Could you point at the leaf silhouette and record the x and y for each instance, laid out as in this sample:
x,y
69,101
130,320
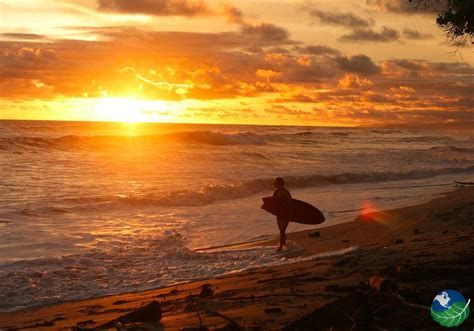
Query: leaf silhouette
x,y
454,316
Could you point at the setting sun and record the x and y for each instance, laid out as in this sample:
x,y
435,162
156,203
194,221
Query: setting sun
x,y
121,109
130,110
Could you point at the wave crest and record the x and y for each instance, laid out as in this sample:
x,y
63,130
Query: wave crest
x,y
71,142
218,192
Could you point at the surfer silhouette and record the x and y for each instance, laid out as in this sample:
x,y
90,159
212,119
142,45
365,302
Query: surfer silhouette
x,y
284,216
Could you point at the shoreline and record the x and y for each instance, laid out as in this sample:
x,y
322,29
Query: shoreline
x,y
408,237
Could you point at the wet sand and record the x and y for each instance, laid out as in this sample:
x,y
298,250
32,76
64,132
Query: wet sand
x,y
414,252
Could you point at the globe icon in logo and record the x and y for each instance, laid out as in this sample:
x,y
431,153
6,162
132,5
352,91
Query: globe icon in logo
x,y
450,308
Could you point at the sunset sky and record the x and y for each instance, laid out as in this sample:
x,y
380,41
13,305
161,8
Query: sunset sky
x,y
322,62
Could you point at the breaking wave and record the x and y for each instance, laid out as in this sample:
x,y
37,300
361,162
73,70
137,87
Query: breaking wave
x,y
218,192
102,142
217,138
452,153
143,263
71,142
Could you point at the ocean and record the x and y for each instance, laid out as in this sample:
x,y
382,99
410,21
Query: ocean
x,y
90,209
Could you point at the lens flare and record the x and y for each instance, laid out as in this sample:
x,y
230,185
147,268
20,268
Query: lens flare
x,y
370,213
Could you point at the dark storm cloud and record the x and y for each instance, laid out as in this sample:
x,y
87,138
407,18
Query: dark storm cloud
x,y
266,32
370,35
186,8
27,58
348,20
28,72
320,70
317,50
248,37
406,6
424,68
458,68
317,72
233,14
361,64
391,5
299,98
306,69
410,64
416,35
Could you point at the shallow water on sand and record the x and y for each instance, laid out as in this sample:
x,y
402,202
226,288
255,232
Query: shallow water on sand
x,y
89,209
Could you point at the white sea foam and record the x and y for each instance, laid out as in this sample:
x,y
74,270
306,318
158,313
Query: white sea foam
x,y
146,263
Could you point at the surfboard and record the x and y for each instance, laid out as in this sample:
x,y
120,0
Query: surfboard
x,y
302,212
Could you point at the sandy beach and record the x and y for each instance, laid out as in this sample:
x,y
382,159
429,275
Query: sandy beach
x,y
397,261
